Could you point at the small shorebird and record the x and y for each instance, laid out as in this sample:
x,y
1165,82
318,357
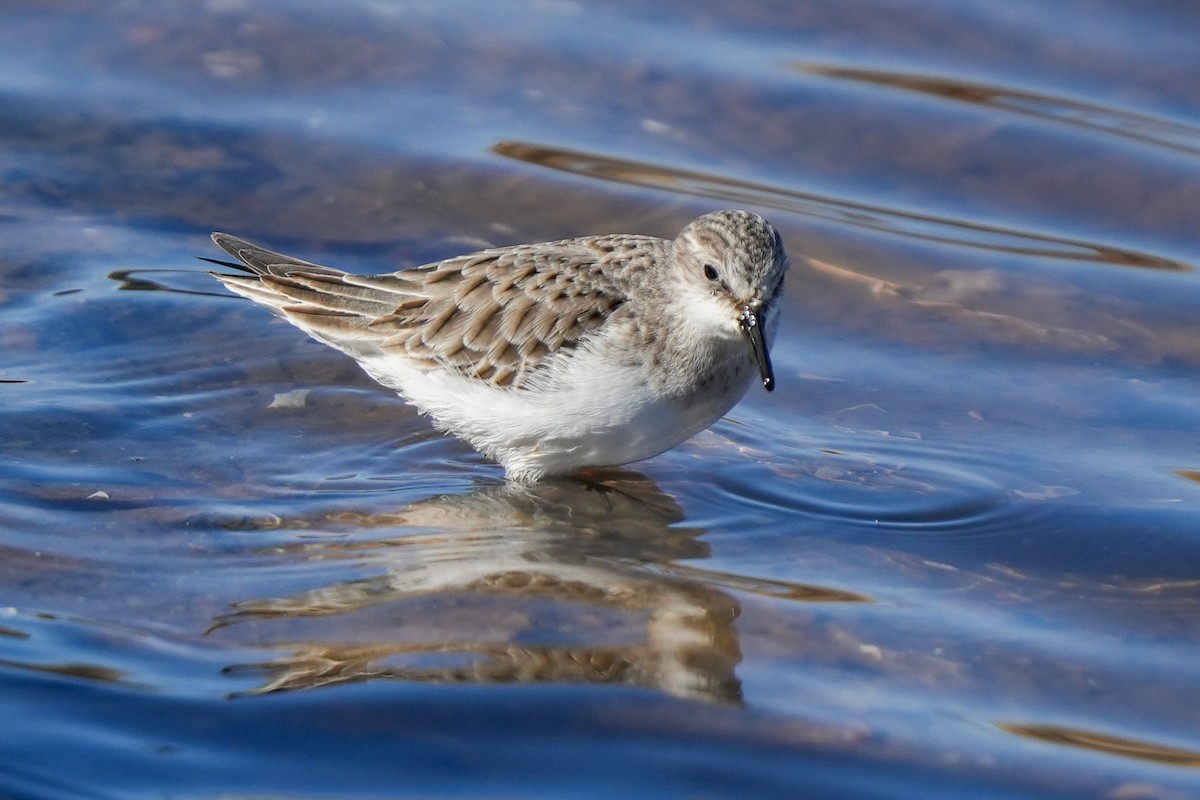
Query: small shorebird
x,y
552,357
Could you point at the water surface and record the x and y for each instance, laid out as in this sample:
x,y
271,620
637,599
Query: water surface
x,y
954,554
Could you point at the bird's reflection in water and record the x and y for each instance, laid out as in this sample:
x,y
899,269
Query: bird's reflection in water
x,y
565,581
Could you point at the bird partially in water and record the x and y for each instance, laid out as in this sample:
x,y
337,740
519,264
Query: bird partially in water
x,y
552,357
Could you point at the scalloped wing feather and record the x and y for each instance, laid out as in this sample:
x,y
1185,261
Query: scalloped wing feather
x,y
497,316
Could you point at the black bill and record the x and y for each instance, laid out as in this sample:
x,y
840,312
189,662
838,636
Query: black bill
x,y
751,324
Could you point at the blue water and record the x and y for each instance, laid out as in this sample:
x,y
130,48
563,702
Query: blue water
x,y
954,554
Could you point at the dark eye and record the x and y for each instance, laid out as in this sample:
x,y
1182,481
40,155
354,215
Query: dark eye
x,y
711,272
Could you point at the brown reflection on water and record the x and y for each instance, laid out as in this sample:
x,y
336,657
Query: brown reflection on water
x,y
913,225
1106,743
1090,116
91,672
562,582
1192,475
1012,309
36,641
1022,314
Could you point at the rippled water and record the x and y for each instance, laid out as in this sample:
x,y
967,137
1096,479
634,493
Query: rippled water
x,y
955,554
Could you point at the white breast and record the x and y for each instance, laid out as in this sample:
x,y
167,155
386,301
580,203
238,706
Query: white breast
x,y
589,412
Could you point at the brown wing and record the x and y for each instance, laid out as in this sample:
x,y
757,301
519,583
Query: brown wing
x,y
496,315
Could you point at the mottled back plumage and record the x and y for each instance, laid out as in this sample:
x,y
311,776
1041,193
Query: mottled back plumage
x,y
495,315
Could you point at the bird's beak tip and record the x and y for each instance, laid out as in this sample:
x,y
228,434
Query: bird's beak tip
x,y
751,322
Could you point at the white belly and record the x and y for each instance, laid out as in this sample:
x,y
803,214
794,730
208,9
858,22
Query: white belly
x,y
591,414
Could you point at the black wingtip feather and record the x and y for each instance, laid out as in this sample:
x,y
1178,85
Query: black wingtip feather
x,y
230,264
